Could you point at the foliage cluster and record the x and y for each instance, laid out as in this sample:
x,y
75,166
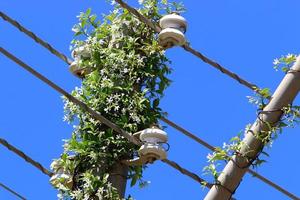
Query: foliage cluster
x,y
127,78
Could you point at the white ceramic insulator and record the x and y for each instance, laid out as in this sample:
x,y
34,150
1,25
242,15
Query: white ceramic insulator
x,y
154,150
173,21
153,135
171,37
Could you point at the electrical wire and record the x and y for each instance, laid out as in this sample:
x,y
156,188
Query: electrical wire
x,y
188,48
12,191
210,147
96,115
93,113
153,26
35,37
20,153
188,173
207,60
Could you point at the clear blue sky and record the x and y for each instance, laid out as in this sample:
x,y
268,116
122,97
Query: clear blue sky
x,y
244,36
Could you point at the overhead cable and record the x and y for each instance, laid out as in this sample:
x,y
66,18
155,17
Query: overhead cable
x,y
210,147
35,37
93,113
20,153
12,191
205,59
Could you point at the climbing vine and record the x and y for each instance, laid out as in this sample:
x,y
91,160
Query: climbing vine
x,y
290,117
125,76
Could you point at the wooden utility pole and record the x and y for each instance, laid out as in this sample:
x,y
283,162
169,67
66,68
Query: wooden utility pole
x,y
118,178
235,169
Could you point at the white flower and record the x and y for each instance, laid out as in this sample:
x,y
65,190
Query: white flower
x,y
141,1
65,176
65,118
59,196
113,2
125,70
209,156
105,78
75,29
289,55
116,108
55,165
137,120
76,194
116,96
224,145
110,100
102,72
276,61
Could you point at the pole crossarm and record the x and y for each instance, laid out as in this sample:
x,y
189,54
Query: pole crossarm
x,y
182,130
93,113
236,168
12,191
20,153
35,37
210,147
188,48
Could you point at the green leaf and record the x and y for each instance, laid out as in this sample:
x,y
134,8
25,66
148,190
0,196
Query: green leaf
x,y
133,180
88,11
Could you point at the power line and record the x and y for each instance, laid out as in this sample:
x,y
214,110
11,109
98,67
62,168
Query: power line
x,y
205,59
210,147
186,172
273,185
20,153
187,133
153,26
93,113
157,28
35,37
12,191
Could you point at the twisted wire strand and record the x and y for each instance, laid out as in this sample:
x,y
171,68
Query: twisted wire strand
x,y
210,147
12,191
207,60
152,25
96,115
188,48
188,173
20,153
93,113
35,37
292,196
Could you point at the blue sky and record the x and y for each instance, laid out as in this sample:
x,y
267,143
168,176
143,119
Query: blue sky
x,y
244,36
